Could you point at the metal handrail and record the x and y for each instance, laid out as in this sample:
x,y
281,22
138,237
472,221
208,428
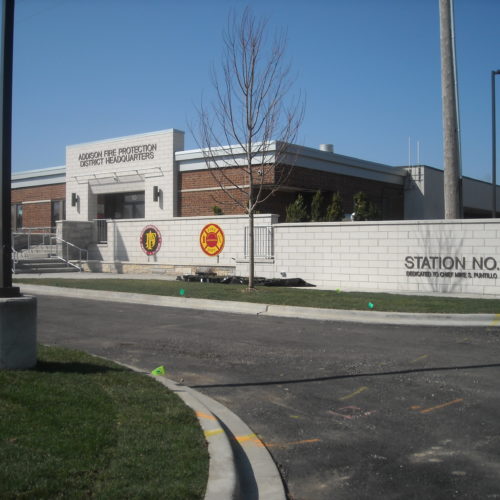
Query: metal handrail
x,y
68,244
14,260
102,230
40,229
29,232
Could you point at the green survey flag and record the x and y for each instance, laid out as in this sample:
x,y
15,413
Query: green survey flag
x,y
159,371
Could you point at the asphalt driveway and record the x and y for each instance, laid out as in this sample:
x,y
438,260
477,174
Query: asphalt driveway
x,y
348,411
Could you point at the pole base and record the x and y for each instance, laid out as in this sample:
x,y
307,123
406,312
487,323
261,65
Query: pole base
x,y
17,333
11,291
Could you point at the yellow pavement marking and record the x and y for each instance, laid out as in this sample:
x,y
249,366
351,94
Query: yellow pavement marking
x,y
200,414
213,432
428,410
420,358
355,393
496,321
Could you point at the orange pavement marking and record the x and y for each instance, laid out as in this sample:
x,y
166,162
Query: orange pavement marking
x,y
205,415
442,406
252,438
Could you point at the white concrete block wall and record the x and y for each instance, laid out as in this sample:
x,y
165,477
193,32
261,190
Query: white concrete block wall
x,y
381,256
372,255
180,240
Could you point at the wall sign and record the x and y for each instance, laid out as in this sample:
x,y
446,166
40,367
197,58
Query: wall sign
x,y
140,152
150,240
438,266
212,239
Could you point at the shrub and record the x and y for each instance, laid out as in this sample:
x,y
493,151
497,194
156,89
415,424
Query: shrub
x,y
335,211
297,211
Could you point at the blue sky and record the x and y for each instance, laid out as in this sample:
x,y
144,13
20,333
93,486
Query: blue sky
x,y
87,70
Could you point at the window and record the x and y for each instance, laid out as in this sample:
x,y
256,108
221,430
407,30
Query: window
x,y
58,211
16,216
121,205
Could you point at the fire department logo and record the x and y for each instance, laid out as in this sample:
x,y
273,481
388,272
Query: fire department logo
x,y
212,239
151,240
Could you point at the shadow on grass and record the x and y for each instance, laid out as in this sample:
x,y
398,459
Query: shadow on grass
x,y
74,367
353,375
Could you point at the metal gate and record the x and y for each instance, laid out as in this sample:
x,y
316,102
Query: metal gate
x,y
263,242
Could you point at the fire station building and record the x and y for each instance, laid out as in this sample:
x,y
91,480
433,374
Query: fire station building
x,y
151,176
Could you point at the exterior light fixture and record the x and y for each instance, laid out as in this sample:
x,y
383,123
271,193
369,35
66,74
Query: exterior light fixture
x,y
156,193
74,199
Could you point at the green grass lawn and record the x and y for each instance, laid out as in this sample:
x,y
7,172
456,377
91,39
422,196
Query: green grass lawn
x,y
81,427
282,296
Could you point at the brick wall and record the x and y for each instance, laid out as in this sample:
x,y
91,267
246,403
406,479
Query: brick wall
x,y
37,206
50,192
389,198
201,203
206,191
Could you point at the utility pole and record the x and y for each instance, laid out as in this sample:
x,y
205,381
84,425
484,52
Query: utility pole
x,y
450,114
6,289
17,312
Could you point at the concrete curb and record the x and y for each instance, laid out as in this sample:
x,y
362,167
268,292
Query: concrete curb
x,y
390,318
222,474
240,465
372,316
261,478
152,300
222,481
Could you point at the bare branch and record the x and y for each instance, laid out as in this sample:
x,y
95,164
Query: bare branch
x,y
247,132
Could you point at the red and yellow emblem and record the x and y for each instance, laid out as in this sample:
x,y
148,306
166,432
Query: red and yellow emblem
x,y
150,240
212,239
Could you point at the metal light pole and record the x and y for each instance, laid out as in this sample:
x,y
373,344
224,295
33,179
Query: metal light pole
x,y
493,147
6,289
17,312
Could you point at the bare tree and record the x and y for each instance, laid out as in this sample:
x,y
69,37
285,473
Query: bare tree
x,y
245,132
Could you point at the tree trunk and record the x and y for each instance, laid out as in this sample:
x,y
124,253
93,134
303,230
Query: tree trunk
x,y
251,260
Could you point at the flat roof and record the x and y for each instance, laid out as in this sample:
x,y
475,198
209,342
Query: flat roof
x,y
39,177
